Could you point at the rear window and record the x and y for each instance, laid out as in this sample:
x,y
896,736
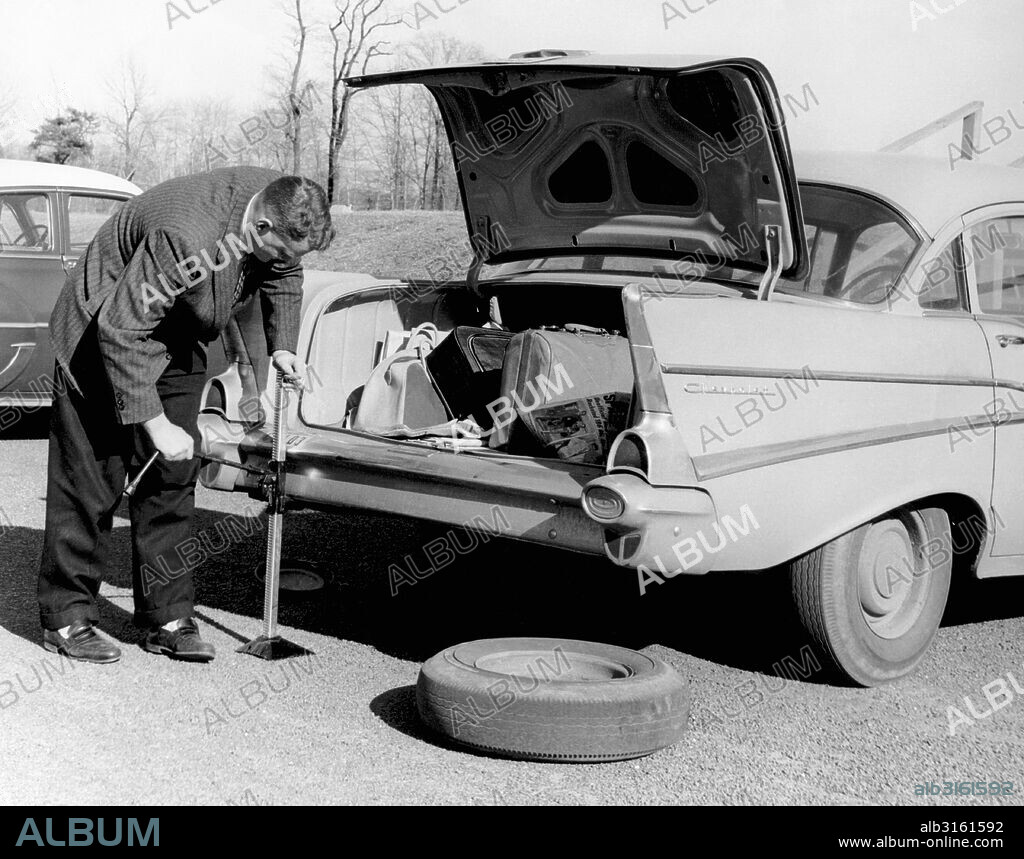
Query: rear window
x,y
857,247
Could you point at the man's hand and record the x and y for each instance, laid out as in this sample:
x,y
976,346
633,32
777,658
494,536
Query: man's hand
x,y
173,443
293,368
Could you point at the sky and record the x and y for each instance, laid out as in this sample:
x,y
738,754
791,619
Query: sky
x,y
878,69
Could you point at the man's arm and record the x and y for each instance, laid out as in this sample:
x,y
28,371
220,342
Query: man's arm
x,y
281,297
281,300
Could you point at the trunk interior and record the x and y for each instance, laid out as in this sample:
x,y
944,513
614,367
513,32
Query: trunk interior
x,y
357,333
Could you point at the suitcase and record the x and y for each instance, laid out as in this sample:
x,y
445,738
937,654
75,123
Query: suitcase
x,y
466,368
565,393
399,398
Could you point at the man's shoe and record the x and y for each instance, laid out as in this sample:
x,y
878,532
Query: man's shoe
x,y
82,643
181,643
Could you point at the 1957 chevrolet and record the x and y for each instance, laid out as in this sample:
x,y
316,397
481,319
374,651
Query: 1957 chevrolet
x,y
827,375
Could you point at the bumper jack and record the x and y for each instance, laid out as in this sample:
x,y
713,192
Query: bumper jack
x,y
270,645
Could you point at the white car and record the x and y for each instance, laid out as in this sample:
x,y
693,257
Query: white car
x,y
827,377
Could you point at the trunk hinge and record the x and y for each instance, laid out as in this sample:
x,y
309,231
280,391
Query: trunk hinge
x,y
773,247
480,242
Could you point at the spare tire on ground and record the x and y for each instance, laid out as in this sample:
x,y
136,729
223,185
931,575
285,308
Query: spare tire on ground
x,y
553,699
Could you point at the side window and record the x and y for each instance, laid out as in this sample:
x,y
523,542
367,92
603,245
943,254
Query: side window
x,y
85,216
944,286
25,223
996,251
876,261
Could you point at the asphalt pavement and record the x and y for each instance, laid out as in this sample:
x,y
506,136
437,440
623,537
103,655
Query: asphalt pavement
x,y
341,726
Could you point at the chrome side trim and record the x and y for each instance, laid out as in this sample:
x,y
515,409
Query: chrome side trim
x,y
24,325
714,465
836,376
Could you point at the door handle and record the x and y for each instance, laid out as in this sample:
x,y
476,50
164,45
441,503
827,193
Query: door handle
x,y
15,366
1005,340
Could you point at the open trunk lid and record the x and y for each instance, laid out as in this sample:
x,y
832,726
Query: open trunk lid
x,y
668,157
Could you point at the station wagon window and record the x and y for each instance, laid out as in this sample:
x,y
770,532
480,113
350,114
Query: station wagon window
x,y
996,251
25,223
86,215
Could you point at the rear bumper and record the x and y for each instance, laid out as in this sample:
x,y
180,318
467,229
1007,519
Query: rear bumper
x,y
544,502
521,500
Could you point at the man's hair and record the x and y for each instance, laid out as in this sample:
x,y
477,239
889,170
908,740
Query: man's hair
x,y
302,210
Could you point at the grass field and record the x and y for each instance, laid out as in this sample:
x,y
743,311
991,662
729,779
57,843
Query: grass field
x,y
394,244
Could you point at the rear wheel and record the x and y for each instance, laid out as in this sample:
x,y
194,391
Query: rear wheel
x,y
873,598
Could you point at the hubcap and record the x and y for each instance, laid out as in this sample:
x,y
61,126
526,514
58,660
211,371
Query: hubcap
x,y
892,579
566,667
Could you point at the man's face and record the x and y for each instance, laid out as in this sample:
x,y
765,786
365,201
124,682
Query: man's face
x,y
273,246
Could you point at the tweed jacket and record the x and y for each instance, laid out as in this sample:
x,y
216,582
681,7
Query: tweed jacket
x,y
160,276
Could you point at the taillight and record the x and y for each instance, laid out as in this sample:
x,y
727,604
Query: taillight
x,y
603,503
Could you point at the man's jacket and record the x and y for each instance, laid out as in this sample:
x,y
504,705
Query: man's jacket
x,y
161,275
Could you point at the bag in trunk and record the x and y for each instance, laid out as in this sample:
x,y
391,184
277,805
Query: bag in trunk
x,y
566,393
466,368
399,398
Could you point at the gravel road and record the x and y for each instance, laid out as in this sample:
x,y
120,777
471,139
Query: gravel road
x,y
341,727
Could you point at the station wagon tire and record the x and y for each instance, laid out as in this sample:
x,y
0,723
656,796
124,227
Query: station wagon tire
x,y
873,599
552,699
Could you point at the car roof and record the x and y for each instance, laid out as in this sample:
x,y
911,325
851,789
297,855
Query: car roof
x,y
15,173
925,188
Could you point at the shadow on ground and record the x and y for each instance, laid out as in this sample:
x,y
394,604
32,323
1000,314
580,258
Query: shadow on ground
x,y
500,588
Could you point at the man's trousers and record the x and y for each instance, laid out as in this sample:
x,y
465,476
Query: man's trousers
x,y
90,455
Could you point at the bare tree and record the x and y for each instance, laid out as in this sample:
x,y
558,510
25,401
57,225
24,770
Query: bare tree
x,y
8,115
293,133
395,149
437,49
356,43
129,125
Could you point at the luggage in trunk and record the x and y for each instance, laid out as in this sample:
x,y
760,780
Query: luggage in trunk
x,y
566,393
466,368
399,398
